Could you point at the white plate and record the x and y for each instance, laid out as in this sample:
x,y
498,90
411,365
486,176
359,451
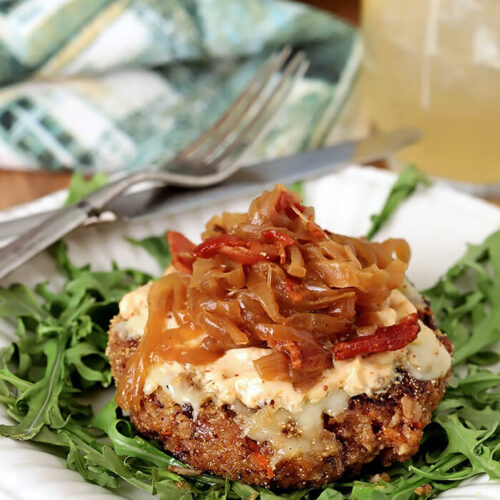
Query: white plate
x,y
437,222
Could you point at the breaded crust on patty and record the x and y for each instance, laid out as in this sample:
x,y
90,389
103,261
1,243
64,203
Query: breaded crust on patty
x,y
388,426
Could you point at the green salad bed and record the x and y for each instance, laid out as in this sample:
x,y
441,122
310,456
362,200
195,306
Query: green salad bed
x,y
59,356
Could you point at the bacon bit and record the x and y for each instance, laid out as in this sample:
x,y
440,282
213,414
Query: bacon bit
x,y
282,239
243,255
260,458
273,235
286,202
211,246
247,252
386,338
243,251
314,229
232,246
292,287
269,251
182,251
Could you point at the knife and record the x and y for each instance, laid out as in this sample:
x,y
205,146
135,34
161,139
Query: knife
x,y
250,180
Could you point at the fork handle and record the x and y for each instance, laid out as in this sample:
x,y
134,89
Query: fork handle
x,y
35,240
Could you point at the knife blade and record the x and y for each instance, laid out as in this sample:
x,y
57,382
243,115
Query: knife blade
x,y
161,201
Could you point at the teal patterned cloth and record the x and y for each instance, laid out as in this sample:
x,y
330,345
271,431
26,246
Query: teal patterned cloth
x,y
113,85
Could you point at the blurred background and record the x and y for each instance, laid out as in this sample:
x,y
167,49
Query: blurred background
x,y
436,64
107,85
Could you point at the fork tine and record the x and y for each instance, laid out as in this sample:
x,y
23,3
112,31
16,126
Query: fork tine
x,y
245,99
264,116
238,115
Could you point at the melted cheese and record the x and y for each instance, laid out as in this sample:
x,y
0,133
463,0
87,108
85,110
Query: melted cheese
x,y
233,377
291,434
233,380
426,358
173,379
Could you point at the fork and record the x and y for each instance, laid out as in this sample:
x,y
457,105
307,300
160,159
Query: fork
x,y
209,160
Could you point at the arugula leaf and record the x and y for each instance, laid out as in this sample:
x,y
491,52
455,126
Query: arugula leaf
x,y
85,465
245,491
96,371
18,301
472,443
407,182
60,348
129,444
41,398
79,186
109,286
466,301
96,461
330,494
156,246
9,378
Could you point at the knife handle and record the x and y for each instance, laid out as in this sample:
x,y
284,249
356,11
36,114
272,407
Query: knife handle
x,y
35,240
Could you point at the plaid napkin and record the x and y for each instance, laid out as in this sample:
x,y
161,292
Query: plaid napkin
x,y
113,85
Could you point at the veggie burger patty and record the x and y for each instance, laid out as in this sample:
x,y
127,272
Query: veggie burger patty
x,y
279,354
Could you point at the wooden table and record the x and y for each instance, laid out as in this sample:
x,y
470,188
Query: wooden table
x,y
20,187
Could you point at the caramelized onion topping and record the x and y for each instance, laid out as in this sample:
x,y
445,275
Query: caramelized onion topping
x,y
272,278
